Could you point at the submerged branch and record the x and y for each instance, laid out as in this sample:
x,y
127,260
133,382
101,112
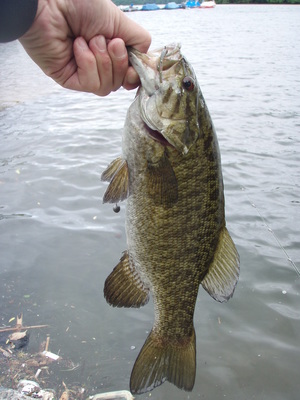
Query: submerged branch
x,y
17,328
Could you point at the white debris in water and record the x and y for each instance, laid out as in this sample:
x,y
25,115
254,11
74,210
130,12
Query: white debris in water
x,y
121,395
33,389
50,355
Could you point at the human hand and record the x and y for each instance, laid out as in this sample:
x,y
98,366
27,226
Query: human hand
x,y
82,44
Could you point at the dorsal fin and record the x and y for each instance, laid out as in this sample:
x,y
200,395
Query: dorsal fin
x,y
117,174
223,273
124,287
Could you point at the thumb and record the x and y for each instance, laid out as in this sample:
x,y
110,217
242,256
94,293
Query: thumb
x,y
133,34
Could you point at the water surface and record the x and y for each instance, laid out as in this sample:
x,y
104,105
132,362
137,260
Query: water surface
x,y
58,242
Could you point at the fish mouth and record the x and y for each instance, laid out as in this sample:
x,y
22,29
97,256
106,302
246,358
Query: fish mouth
x,y
154,68
151,66
145,68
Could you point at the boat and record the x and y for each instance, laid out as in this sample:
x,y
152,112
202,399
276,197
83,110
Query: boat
x,y
150,7
208,4
130,8
172,6
192,4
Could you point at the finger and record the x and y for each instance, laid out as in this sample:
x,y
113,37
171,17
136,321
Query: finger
x,y
85,77
104,64
131,80
119,57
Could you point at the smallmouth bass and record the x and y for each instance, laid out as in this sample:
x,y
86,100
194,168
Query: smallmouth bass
x,y
170,174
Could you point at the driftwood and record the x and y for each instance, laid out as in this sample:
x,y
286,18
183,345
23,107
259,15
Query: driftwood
x,y
19,326
65,394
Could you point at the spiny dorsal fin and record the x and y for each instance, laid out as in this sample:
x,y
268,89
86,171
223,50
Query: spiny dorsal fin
x,y
223,273
124,287
117,174
164,359
162,181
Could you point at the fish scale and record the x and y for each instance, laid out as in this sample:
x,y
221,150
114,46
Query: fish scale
x,y
170,173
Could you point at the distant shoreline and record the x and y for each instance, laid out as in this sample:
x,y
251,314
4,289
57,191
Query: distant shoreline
x,y
218,2
258,4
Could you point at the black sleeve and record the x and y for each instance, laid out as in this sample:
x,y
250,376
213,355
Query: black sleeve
x,y
16,17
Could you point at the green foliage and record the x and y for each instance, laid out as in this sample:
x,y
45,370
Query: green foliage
x,y
140,2
134,2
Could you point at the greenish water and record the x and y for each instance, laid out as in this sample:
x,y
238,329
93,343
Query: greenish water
x,y
58,242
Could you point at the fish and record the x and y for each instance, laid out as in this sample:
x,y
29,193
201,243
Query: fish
x,y
170,175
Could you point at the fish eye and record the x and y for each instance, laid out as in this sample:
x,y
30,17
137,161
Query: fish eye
x,y
188,83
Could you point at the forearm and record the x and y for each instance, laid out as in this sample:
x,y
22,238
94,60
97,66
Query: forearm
x,y
16,17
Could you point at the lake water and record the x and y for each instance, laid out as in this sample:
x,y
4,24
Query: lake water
x,y
58,242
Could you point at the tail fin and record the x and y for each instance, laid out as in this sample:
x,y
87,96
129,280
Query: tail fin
x,y
161,360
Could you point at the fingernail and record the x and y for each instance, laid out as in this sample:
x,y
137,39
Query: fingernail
x,y
119,51
81,43
101,43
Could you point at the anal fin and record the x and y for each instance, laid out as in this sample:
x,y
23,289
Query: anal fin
x,y
117,174
124,287
223,273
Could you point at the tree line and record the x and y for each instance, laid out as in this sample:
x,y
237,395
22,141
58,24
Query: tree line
x,y
139,2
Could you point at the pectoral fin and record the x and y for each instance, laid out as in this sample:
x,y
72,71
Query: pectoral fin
x,y
117,174
112,169
124,287
162,182
223,273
